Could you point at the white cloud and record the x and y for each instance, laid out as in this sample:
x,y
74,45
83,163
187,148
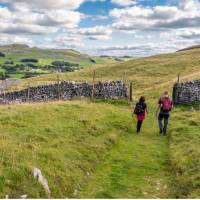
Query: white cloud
x,y
8,39
44,4
138,50
157,18
96,33
189,34
124,2
66,41
26,21
169,28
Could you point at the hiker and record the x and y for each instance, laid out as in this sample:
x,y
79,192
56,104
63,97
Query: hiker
x,y
165,105
140,111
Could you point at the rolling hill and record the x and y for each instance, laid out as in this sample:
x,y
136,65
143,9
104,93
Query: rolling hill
x,y
145,73
89,149
19,59
190,48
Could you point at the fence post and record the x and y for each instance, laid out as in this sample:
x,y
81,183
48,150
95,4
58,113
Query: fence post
x,y
93,87
58,84
6,85
178,77
131,91
124,78
28,93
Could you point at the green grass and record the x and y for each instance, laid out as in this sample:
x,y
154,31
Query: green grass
x,y
136,167
66,141
185,153
2,70
17,76
90,149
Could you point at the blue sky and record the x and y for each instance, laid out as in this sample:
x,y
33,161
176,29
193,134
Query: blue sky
x,y
113,27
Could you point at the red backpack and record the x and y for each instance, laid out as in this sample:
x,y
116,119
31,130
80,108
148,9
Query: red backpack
x,y
166,104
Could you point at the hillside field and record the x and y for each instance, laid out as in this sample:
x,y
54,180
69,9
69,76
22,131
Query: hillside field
x,y
21,61
89,149
145,73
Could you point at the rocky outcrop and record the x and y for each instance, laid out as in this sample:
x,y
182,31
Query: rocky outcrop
x,y
67,90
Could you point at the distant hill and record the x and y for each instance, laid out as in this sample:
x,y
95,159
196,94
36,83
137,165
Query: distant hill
x,y
190,48
20,51
145,73
22,61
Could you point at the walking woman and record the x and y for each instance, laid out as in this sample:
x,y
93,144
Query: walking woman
x,y
141,112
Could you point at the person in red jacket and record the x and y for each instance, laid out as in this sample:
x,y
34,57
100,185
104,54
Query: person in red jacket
x,y
165,105
140,111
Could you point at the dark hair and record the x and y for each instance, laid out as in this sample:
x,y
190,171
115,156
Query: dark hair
x,y
142,99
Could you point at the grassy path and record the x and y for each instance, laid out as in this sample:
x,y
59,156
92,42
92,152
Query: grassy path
x,y
137,167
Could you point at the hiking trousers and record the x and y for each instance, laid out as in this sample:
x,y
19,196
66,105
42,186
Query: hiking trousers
x,y
139,125
165,116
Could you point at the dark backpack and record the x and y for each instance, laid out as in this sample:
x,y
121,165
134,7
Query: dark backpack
x,y
166,104
139,109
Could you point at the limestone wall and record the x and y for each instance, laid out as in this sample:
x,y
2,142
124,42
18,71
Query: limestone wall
x,y
186,93
67,90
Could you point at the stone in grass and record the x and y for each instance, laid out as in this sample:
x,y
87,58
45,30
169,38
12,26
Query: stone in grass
x,y
75,192
24,196
42,180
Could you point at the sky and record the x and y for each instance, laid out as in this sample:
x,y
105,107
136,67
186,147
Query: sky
x,y
135,28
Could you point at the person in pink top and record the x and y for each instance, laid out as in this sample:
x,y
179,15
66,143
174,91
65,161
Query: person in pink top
x,y
141,112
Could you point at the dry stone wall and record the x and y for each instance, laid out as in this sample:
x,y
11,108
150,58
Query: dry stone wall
x,y
67,90
186,93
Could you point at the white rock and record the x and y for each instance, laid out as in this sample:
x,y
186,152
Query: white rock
x,y
24,196
38,175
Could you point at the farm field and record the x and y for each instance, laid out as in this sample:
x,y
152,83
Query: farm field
x,y
21,61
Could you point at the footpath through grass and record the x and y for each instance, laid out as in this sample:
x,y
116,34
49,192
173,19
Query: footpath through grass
x,y
90,149
136,167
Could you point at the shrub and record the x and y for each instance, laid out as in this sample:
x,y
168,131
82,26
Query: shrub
x,y
92,60
33,60
9,62
9,68
63,66
2,54
32,66
4,76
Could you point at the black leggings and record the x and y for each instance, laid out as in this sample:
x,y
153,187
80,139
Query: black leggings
x,y
139,125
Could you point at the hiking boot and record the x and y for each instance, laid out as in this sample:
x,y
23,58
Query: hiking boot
x,y
161,131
